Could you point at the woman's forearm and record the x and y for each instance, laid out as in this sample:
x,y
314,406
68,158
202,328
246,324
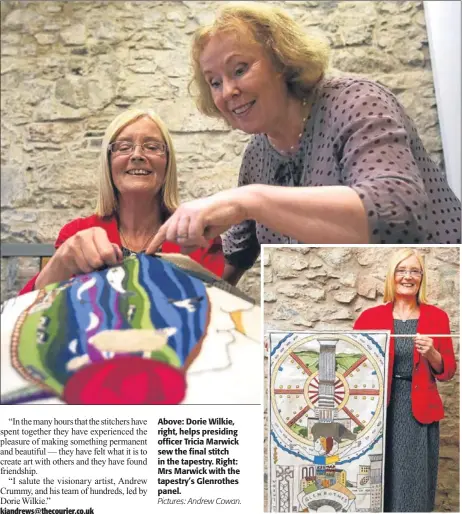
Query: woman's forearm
x,y
326,214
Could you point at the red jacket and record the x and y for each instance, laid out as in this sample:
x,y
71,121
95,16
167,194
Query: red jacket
x,y
425,399
210,258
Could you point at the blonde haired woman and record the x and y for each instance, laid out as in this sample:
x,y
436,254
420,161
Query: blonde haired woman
x,y
137,193
415,364
331,160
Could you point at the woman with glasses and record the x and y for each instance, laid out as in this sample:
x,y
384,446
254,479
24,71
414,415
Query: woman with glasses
x,y
138,192
415,364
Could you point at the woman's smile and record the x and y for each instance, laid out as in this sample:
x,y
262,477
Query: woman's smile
x,y
243,110
139,172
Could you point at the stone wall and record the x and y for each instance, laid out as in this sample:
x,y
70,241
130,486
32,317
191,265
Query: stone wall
x,y
68,68
327,288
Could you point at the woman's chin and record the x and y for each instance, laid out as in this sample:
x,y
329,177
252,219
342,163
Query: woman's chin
x,y
139,189
248,125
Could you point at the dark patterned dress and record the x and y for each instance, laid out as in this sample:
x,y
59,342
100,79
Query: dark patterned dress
x,y
357,135
411,463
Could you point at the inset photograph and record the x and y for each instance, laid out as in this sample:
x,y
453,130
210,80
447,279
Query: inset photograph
x,y
362,385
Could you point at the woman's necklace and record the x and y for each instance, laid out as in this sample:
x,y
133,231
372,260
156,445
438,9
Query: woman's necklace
x,y
128,246
406,317
296,146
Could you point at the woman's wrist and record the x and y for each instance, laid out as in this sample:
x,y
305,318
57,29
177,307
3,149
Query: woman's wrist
x,y
249,199
436,360
434,354
53,272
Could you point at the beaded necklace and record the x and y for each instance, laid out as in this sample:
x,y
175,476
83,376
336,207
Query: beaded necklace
x,y
296,146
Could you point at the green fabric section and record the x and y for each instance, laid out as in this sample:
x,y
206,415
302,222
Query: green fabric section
x,y
167,355
142,318
56,332
33,353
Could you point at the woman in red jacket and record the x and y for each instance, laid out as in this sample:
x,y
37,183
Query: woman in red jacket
x,y
415,363
138,192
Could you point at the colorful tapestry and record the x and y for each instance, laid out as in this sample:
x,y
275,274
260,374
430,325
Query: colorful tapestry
x,y
327,421
131,333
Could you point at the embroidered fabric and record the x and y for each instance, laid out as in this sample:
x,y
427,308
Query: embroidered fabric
x,y
126,252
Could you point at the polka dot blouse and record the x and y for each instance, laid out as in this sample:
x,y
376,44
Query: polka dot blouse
x,y
357,135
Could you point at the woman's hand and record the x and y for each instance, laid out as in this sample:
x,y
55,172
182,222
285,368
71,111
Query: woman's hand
x,y
424,345
87,251
84,252
197,221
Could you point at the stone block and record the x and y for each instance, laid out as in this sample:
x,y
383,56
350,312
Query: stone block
x,y
52,110
315,294
315,262
46,38
367,286
302,322
52,132
143,67
299,264
106,30
282,312
345,296
267,276
300,250
348,279
321,275
394,8
332,287
283,273
53,7
450,255
78,180
9,50
181,116
24,19
14,191
341,314
421,79
74,35
367,256
269,297
336,256
291,290
355,30
362,60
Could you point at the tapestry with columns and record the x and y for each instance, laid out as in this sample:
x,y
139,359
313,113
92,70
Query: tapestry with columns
x,y
327,421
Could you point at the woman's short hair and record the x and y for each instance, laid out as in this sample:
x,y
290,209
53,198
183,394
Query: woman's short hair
x,y
107,203
301,58
395,259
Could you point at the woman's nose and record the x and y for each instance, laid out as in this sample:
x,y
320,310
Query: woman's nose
x,y
229,89
137,154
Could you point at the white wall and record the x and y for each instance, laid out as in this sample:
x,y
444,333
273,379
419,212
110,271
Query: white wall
x,y
443,27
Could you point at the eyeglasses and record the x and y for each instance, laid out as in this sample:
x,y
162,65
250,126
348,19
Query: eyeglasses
x,y
127,147
415,273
